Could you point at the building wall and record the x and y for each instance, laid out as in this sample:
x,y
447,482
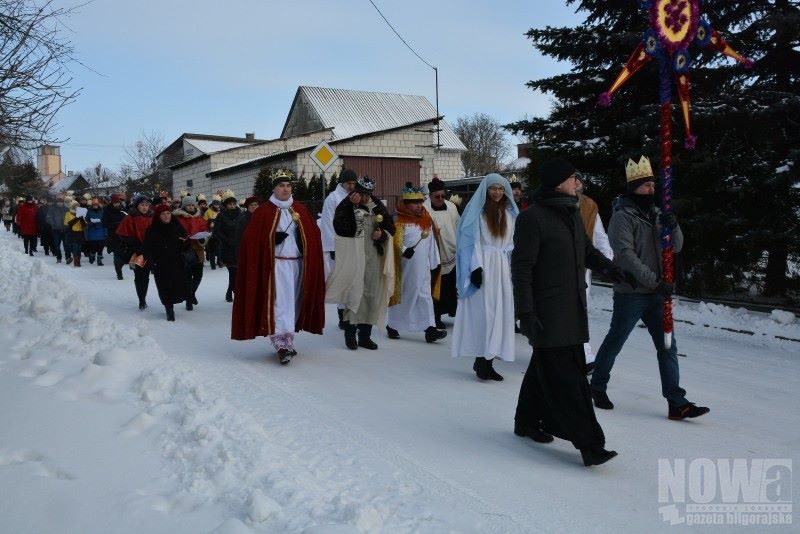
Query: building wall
x,y
407,142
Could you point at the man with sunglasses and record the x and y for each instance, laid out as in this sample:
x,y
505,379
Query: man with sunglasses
x,y
445,219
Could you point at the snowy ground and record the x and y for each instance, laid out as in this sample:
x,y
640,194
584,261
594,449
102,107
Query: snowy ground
x,y
114,420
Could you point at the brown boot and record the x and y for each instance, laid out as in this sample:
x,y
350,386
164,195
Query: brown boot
x,y
77,260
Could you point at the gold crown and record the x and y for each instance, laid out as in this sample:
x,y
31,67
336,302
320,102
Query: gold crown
x,y
413,193
636,171
282,173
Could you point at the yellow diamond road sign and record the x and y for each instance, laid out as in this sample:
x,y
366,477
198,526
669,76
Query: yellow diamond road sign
x,y
324,156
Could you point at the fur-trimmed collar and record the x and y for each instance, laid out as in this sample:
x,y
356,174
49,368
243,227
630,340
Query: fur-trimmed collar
x,y
180,212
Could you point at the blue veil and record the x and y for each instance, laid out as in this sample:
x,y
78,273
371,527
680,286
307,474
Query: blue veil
x,y
469,230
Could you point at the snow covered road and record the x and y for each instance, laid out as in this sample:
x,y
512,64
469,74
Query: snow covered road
x,y
116,420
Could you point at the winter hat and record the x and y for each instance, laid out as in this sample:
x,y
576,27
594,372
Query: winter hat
x,y
215,204
435,185
73,204
28,198
250,200
201,197
138,199
347,175
117,197
188,199
554,171
161,208
516,185
227,196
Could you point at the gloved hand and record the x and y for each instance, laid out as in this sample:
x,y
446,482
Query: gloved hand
x,y
527,322
476,277
280,237
95,221
408,253
668,219
619,276
333,255
665,288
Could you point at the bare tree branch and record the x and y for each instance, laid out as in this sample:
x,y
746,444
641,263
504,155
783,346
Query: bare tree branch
x,y
486,142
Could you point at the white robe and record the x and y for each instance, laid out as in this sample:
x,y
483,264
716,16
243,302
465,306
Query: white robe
x,y
287,272
326,226
485,320
600,242
414,313
447,223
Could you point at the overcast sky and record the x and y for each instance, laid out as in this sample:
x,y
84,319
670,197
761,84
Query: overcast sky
x,y
230,67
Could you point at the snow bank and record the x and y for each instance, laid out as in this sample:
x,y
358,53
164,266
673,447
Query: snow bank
x,y
266,478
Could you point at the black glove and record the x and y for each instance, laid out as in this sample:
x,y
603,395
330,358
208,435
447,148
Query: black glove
x,y
527,321
407,253
665,288
668,219
619,276
333,255
476,277
280,237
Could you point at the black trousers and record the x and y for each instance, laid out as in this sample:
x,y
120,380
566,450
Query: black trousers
x,y
211,251
556,395
448,298
231,278
194,275
141,279
29,242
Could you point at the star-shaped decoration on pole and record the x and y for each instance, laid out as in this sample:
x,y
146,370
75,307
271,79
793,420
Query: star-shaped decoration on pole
x,y
675,25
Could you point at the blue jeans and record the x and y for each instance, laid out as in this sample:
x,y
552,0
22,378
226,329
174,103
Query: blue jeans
x,y
628,309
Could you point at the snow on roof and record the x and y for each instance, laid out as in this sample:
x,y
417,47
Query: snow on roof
x,y
351,113
209,147
64,184
519,164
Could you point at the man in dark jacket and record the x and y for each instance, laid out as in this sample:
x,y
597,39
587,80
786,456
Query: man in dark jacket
x,y
112,217
551,253
635,236
225,235
55,219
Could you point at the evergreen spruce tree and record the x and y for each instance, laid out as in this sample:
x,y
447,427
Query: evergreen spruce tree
x,y
314,188
300,189
736,195
20,177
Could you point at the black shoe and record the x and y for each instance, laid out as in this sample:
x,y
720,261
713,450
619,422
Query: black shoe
x,y
229,296
213,265
432,334
536,434
589,368
194,300
687,411
119,276
170,314
367,344
284,356
189,306
68,260
342,324
350,337
439,324
99,263
596,456
494,375
142,305
391,333
601,400
91,259
481,368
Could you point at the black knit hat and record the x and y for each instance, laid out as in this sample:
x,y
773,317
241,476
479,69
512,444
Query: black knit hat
x,y
435,185
347,175
554,171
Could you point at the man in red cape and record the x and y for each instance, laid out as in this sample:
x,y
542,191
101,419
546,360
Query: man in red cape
x,y
280,283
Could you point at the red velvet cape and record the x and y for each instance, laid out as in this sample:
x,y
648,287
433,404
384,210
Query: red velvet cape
x,y
254,297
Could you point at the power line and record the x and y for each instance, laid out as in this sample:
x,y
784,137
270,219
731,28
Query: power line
x,y
400,36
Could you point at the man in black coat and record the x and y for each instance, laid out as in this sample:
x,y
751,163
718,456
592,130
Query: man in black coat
x,y
551,253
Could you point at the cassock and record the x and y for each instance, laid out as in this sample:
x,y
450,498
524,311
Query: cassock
x,y
280,288
590,217
411,305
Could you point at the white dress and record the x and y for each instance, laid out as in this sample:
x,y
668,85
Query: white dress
x,y
326,226
287,273
600,242
414,313
485,320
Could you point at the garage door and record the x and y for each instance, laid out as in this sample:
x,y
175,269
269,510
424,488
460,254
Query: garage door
x,y
390,174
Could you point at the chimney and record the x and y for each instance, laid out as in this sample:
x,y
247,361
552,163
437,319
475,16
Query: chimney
x,y
250,136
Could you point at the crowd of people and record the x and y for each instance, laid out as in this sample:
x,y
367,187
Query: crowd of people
x,y
500,265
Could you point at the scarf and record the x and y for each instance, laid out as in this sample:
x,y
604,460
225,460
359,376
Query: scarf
x,y
554,199
282,204
405,216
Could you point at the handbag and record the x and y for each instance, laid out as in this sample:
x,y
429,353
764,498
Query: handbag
x,y
137,260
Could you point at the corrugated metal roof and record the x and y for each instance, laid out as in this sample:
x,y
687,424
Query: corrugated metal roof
x,y
351,113
209,147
